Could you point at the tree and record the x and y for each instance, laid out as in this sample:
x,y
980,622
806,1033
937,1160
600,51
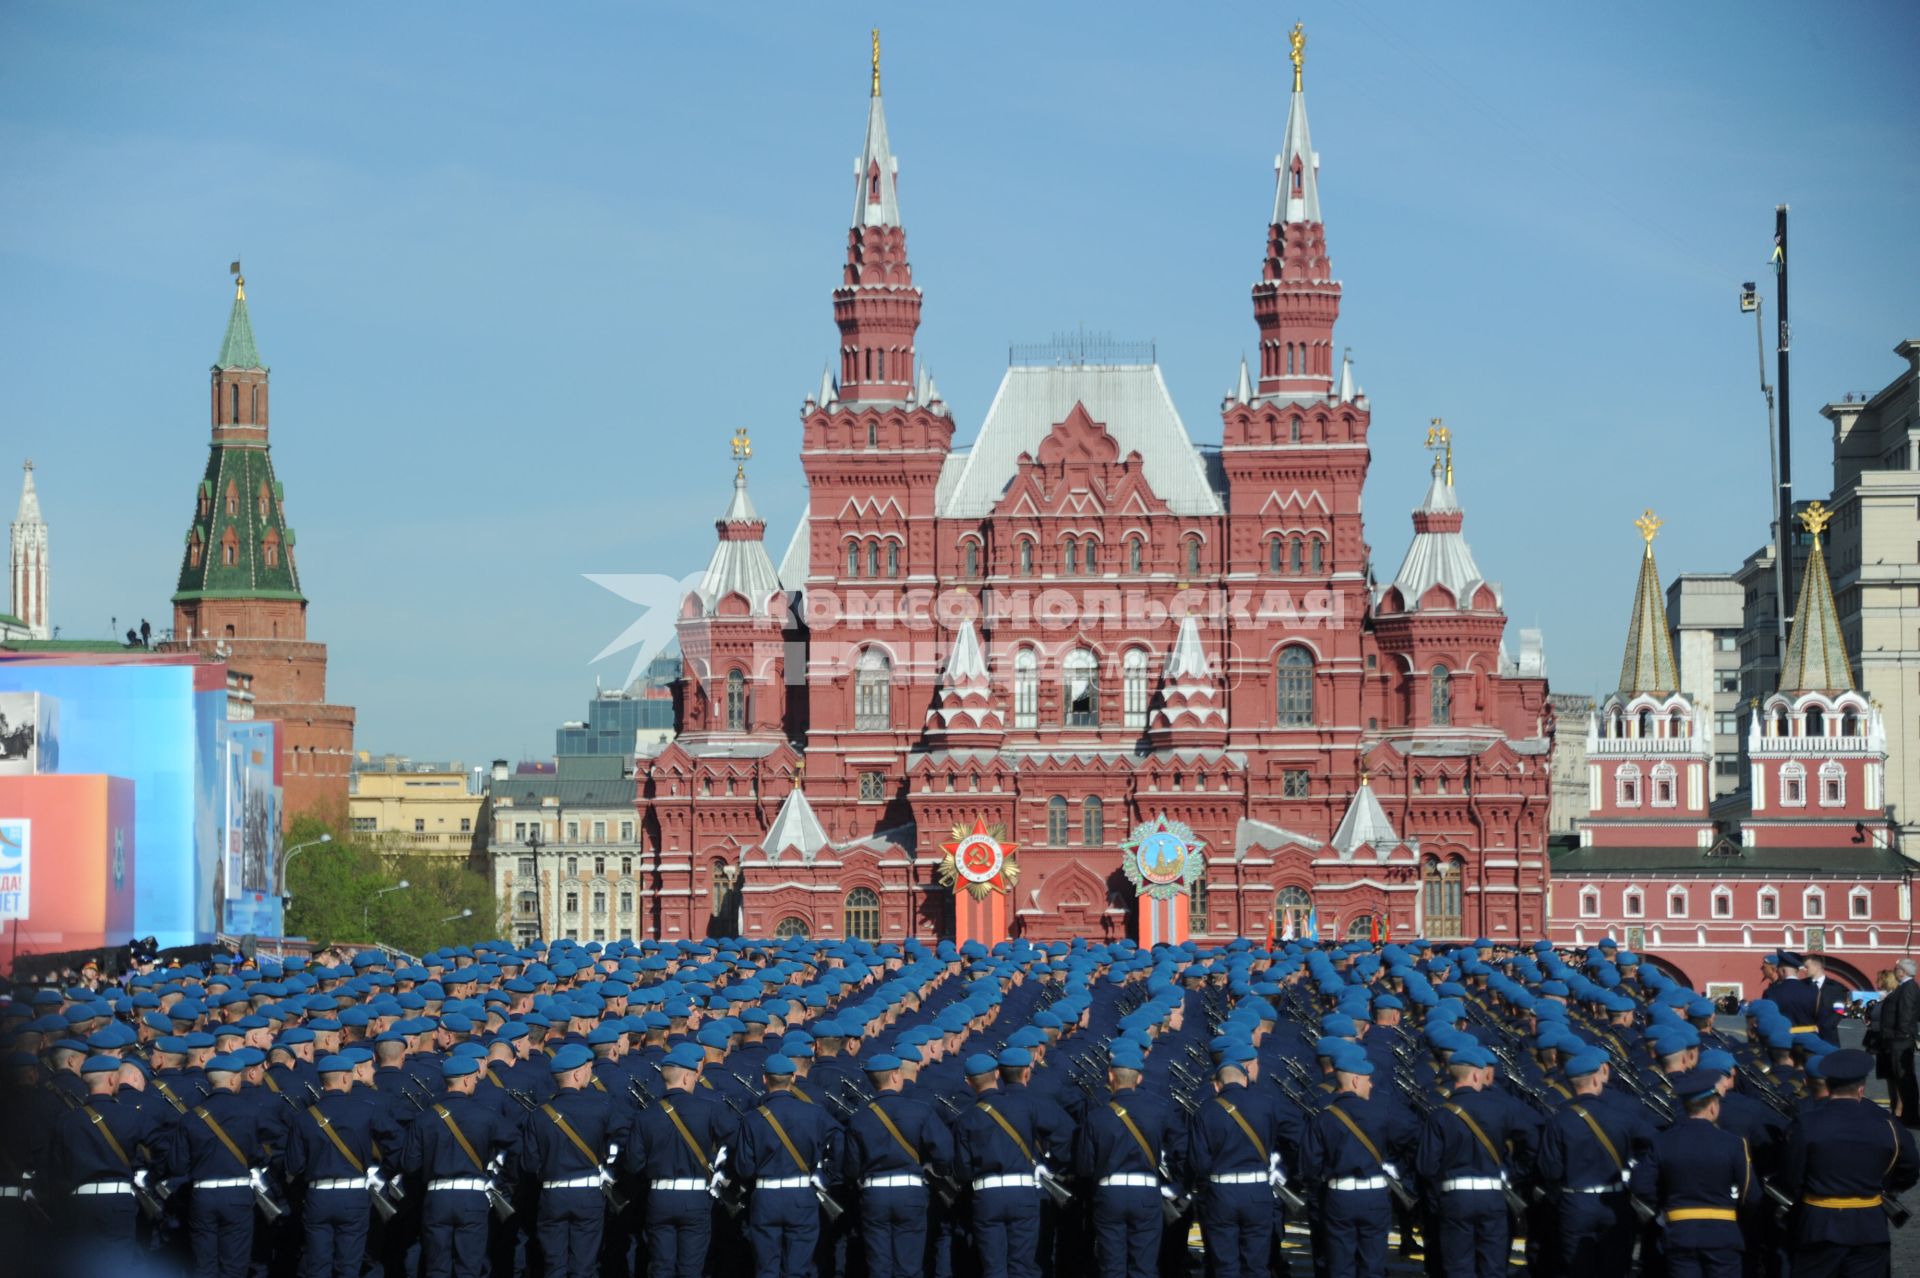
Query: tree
x,y
337,891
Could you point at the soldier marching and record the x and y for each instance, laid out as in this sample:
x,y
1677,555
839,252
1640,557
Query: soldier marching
x,y
796,1108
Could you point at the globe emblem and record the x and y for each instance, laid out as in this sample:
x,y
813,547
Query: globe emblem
x,y
1163,857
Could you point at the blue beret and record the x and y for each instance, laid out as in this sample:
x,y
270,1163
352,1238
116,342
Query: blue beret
x,y
979,1063
570,1057
685,1056
779,1063
459,1067
1478,1057
1697,1084
1015,1058
223,1063
713,1036
1716,1059
1354,1063
882,1063
603,1035
1585,1063
100,1065
335,1064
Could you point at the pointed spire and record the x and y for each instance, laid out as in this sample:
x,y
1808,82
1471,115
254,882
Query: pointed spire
x,y
29,499
1296,196
795,828
876,195
1366,824
237,349
1816,659
1296,301
827,395
1346,394
1648,665
1243,391
1189,657
966,663
876,307
740,564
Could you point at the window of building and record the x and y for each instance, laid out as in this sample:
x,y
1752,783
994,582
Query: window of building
x,y
863,915
1816,722
573,867
1070,556
1295,783
573,902
853,559
1589,903
573,934
1134,693
599,831
1318,554
1197,904
1093,822
1291,909
1276,548
626,865
873,431
1081,686
1026,557
1135,554
1294,561
1664,786
970,552
1814,904
893,559
1626,785
1859,904
1057,820
626,831
528,903
1726,681
1193,556
1026,689
466,825
717,885
1726,642
1833,784
626,902
1793,786
1293,688
873,691
526,867
792,925
1090,555
1633,904
1677,903
1442,897
1722,903
599,867
599,902
1769,904
573,831
1727,723
1442,696
873,787
736,701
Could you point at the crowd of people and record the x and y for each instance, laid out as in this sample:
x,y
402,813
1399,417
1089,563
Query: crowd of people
x,y
798,1107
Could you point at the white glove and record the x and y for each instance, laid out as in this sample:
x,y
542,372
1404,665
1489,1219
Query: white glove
x,y
140,1178
1391,1170
1166,1192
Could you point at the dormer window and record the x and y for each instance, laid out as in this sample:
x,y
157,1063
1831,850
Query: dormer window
x,y
1293,431
1816,722
1299,175
873,434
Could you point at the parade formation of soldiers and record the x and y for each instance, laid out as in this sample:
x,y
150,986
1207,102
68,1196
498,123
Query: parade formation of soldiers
x,y
799,1107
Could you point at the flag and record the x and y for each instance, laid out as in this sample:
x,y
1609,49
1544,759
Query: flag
x,y
1269,934
1287,934
1313,924
1374,929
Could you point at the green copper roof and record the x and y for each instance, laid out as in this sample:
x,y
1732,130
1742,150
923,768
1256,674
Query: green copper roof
x,y
238,544
237,349
1816,650
1648,665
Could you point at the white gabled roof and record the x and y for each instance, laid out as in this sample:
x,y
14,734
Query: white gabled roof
x,y
795,829
1365,825
1130,400
1438,557
798,561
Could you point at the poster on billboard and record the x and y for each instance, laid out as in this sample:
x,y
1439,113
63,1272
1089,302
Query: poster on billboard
x,y
16,863
29,734
251,851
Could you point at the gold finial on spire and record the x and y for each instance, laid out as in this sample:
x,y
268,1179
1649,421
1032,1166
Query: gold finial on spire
x,y
742,450
1440,440
876,62
1366,778
239,282
1815,519
1649,525
1298,55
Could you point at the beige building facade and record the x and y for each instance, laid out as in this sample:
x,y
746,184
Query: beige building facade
x,y
415,809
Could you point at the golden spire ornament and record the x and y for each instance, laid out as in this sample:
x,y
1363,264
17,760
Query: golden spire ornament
x,y
1297,55
742,450
876,62
1815,519
1649,526
1440,441
239,282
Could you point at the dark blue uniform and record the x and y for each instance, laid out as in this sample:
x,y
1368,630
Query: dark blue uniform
x,y
677,1169
1584,1172
572,1212
1125,1180
1005,1197
1463,1180
100,1209
1237,1208
337,1210
1837,1163
895,1201
440,1174
220,1214
1356,1209
783,1216
1700,1177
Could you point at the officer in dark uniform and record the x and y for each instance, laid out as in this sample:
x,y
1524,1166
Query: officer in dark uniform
x,y
330,1148
1473,1147
891,1145
1233,1151
1120,1153
1699,1177
786,1146
221,1144
565,1143
450,1155
1351,1148
675,1147
96,1154
1586,1149
1841,1158
994,1157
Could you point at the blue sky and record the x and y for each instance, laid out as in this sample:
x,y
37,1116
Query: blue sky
x,y
520,272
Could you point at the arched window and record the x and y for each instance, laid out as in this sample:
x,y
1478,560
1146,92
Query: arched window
x,y
1626,785
1293,430
1665,786
1442,900
853,559
1361,928
1850,724
1193,556
1275,550
873,559
1814,904
1859,904
1090,555
1646,723
873,434
1617,724
1197,905
1633,904
1793,785
792,925
1133,688
1318,555
971,550
1070,556
1081,686
1676,903
529,903
1816,722
233,500
1442,697
893,559
1589,903
1135,554
1293,555
1833,784
229,550
736,701
863,915
1026,557
1780,724
873,691
1093,821
1293,688
1057,820
717,886
1769,903
1291,909
236,403
1026,689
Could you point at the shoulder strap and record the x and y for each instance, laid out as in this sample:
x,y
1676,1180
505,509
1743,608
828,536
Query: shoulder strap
x,y
100,1125
168,1092
598,1086
686,1134
1245,1126
1372,1149
1007,1127
1605,1142
1499,1163
359,1167
271,1085
566,1129
781,1132
466,1146
894,1131
1133,1129
213,1125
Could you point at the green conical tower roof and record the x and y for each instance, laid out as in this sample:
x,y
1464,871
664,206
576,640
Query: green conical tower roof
x,y
1648,665
1816,659
237,349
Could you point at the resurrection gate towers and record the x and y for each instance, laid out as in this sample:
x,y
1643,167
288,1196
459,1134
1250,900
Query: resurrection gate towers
x,y
1084,622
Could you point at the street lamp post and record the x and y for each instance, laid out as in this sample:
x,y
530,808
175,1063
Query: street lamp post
x,y
286,862
367,909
